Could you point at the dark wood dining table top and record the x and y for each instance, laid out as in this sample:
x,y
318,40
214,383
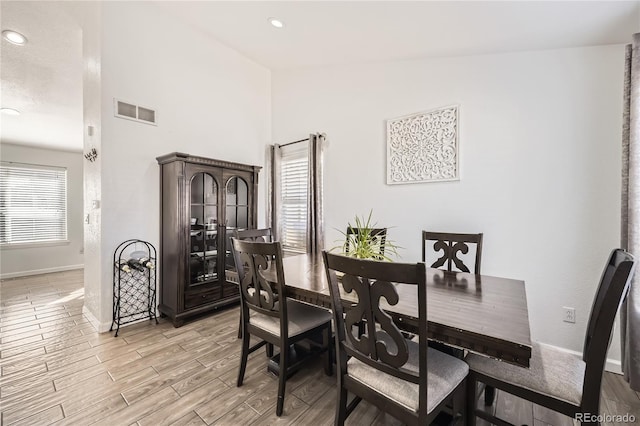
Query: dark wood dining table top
x,y
481,313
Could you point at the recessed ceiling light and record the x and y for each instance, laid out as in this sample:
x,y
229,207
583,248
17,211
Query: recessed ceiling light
x,y
276,22
14,37
9,111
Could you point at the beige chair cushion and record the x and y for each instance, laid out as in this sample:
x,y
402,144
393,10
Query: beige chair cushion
x,y
302,317
444,374
552,372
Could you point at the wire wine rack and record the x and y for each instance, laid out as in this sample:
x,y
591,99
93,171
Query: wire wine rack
x,y
134,283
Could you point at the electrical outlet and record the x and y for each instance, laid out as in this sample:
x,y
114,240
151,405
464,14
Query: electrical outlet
x,y
569,314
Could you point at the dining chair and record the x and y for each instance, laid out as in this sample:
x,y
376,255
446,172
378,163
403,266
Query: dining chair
x,y
406,379
274,318
258,236
255,235
451,245
558,380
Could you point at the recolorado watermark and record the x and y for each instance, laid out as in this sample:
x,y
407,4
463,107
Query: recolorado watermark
x,y
605,418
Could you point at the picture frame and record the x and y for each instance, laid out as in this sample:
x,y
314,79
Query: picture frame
x,y
424,147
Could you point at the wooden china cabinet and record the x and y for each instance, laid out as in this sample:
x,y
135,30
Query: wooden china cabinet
x,y
202,203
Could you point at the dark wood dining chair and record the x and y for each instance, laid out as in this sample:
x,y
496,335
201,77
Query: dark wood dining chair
x,y
450,245
558,380
274,318
401,377
257,236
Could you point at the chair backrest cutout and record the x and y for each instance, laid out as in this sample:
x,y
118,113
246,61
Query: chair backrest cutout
x,y
452,245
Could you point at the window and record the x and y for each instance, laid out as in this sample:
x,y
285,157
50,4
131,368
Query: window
x,y
33,204
294,182
297,192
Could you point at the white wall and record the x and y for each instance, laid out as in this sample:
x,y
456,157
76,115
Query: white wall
x,y
88,14
48,258
540,156
210,101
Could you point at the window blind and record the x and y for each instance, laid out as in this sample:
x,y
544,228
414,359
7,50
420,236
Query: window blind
x,y
33,204
294,177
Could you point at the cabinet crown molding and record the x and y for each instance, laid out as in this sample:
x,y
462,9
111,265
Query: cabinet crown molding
x,y
188,158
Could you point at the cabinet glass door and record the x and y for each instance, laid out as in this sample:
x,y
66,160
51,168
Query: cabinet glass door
x,y
237,211
203,258
237,197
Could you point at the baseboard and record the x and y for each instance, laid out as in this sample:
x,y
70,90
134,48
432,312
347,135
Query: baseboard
x,y
100,327
612,365
40,271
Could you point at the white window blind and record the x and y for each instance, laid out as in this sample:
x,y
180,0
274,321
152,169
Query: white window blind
x,y
33,204
294,177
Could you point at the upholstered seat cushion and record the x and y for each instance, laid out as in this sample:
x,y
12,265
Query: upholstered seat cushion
x,y
444,374
302,317
552,372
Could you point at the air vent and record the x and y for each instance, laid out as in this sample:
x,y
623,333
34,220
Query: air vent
x,y
134,112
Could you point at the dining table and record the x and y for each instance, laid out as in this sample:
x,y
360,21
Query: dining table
x,y
484,314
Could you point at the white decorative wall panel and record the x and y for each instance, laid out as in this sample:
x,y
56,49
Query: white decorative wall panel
x,y
423,147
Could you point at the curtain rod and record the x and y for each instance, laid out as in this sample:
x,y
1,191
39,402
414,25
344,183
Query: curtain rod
x,y
291,143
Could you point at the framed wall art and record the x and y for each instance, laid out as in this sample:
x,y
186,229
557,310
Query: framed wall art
x,y
423,147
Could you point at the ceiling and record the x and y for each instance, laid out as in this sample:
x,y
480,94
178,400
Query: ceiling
x,y
44,78
319,33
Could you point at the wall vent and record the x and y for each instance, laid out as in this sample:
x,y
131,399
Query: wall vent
x,y
134,112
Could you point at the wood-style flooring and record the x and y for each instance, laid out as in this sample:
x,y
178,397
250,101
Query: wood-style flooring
x,y
57,370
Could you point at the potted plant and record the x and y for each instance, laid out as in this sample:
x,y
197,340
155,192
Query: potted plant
x,y
364,241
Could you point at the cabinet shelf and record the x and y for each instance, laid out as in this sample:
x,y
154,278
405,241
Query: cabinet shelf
x,y
205,280
209,253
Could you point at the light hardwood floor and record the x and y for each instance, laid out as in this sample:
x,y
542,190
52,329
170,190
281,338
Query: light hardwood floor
x,y
57,370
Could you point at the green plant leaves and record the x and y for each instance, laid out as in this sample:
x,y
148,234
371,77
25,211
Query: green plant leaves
x,y
362,242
